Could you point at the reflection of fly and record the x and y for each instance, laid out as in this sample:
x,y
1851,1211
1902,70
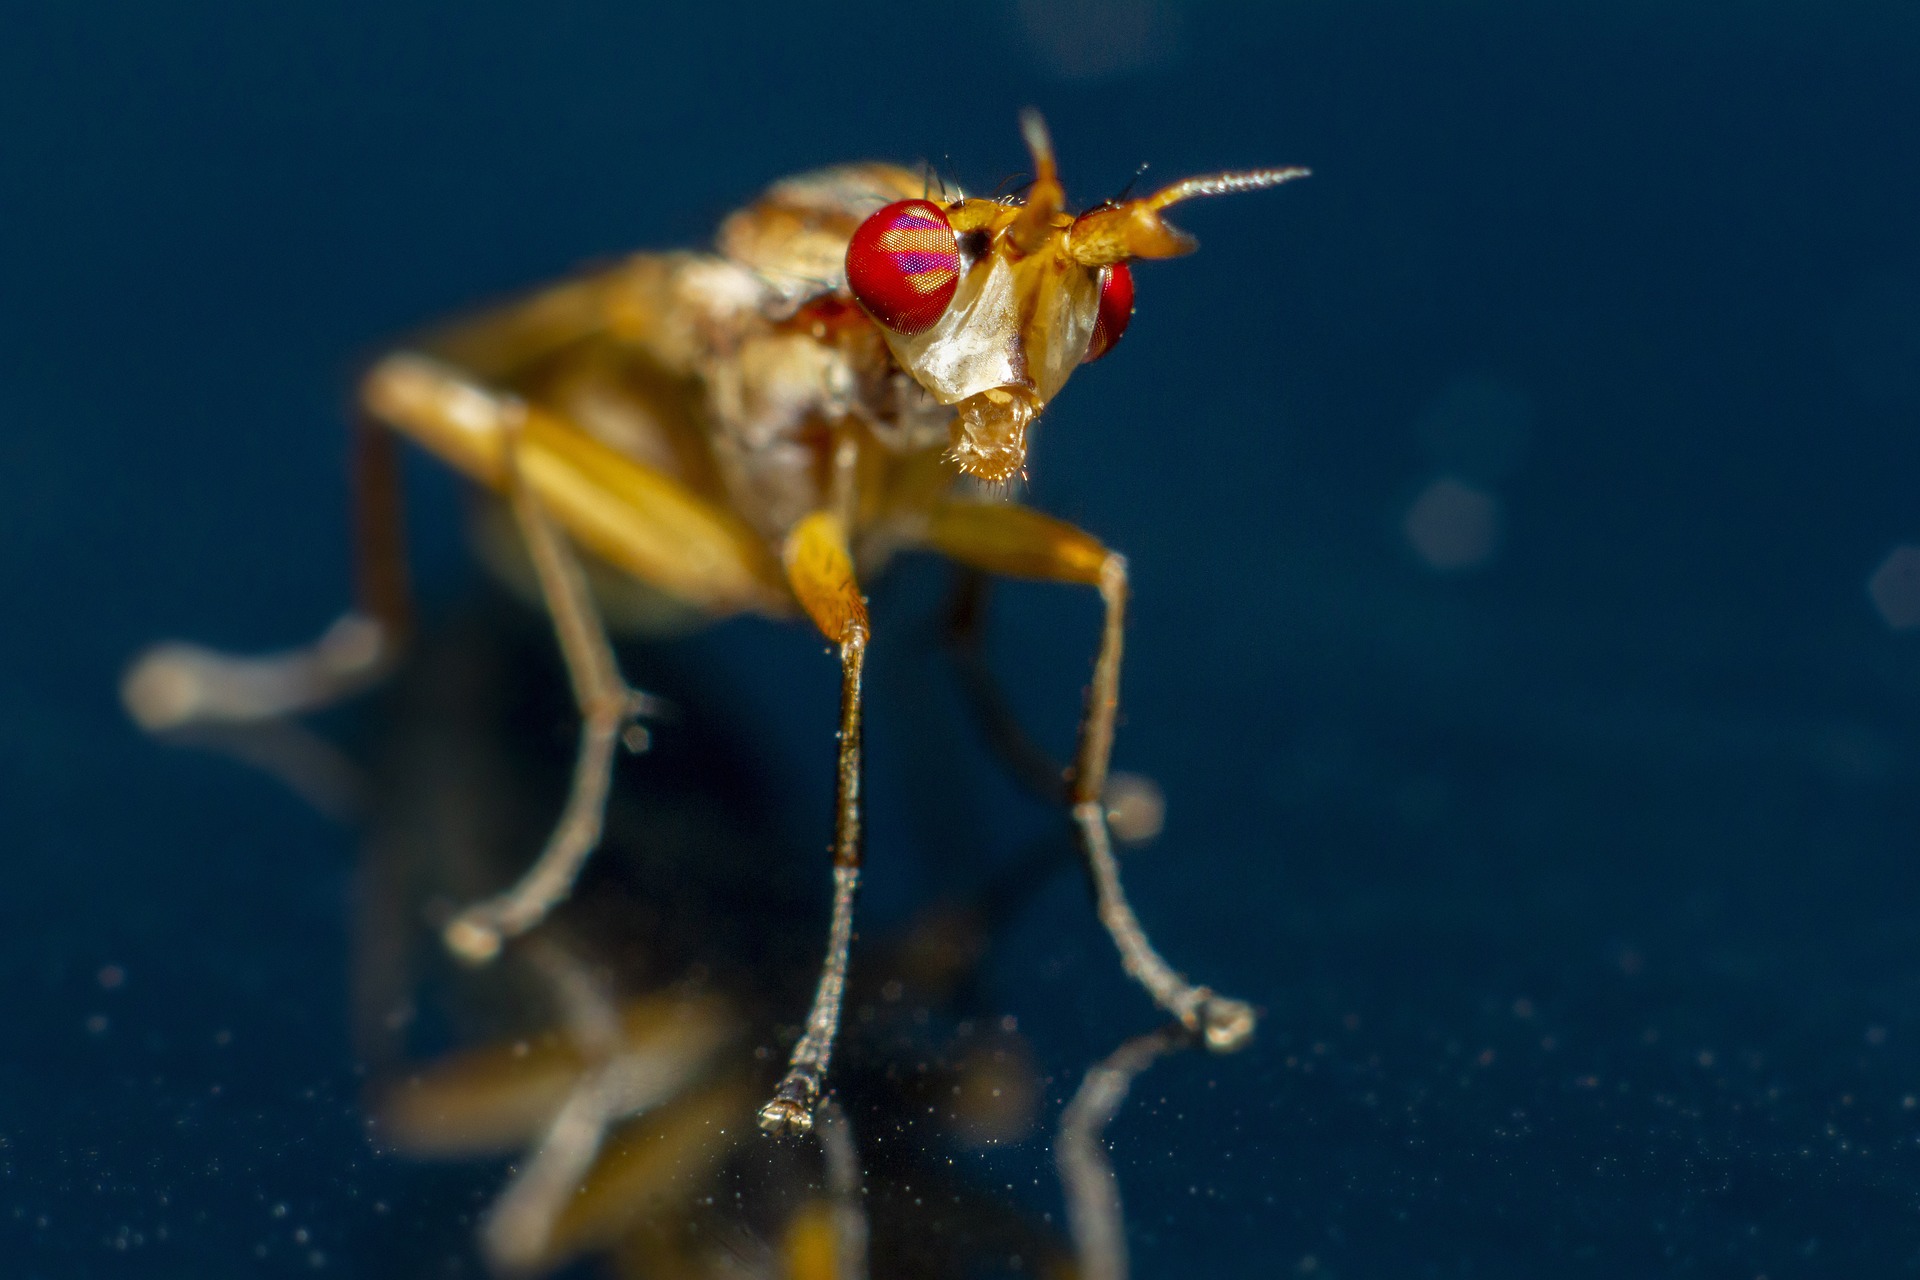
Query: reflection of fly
x,y
757,430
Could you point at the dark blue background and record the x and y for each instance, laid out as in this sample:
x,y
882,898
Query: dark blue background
x,y
1579,885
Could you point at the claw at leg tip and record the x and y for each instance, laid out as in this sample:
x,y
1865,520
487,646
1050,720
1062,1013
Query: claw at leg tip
x,y
1228,1024
162,689
786,1119
471,941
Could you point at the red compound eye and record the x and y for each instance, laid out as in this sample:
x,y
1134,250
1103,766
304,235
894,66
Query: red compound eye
x,y
903,264
1116,309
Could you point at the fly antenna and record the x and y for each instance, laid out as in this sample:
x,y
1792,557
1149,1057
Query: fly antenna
x,y
1132,182
1223,184
1045,198
1033,131
1135,229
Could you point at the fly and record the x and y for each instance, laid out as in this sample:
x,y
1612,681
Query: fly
x,y
686,436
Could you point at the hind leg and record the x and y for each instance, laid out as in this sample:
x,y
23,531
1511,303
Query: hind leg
x,y
565,489
176,686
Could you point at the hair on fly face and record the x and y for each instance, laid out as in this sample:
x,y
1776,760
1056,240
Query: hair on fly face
x,y
935,182
1127,190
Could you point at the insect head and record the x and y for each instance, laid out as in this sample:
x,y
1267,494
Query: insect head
x,y
992,304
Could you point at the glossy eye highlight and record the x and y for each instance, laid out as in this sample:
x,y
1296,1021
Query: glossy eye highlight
x,y
903,265
1116,309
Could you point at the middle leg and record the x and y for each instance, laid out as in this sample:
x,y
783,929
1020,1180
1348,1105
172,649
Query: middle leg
x,y
608,708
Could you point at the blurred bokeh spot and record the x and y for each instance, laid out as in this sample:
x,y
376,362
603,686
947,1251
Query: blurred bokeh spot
x,y
1453,526
1095,39
1895,588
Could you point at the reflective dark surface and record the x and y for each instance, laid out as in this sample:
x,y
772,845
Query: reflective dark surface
x,y
1502,503
693,942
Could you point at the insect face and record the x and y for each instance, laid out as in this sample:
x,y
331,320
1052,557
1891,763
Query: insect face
x,y
992,305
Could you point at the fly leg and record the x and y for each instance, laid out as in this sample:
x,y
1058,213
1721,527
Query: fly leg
x,y
1136,808
821,571
175,686
609,708
245,704
1029,764
1019,542
566,489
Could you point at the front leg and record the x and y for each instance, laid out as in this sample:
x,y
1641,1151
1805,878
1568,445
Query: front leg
x,y
820,570
1019,542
